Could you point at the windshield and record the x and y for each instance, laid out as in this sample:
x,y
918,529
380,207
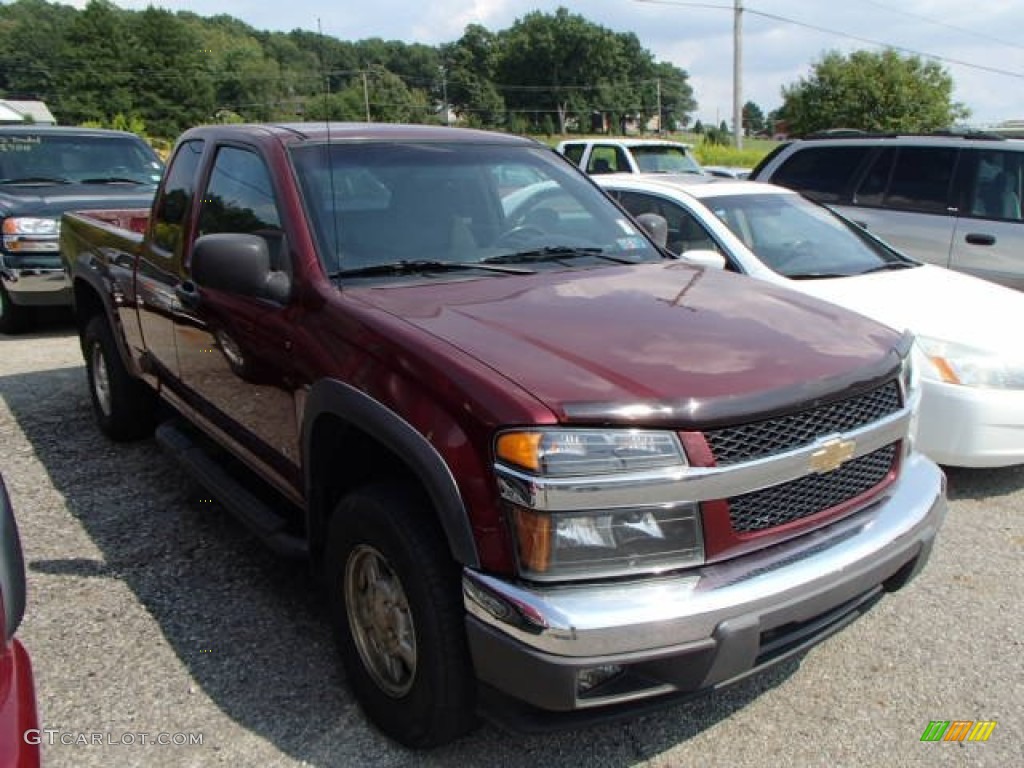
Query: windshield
x,y
664,159
62,158
800,239
411,205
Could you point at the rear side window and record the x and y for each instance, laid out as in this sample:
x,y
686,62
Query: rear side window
x,y
176,197
824,174
605,158
920,179
997,186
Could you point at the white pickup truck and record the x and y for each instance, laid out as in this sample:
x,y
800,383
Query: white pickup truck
x,y
597,156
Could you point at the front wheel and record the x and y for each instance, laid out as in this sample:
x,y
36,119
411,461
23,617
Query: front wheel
x,y
125,408
396,602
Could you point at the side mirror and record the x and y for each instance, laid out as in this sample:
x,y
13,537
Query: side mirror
x,y
704,258
654,225
240,264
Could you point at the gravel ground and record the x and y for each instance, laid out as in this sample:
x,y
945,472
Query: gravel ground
x,y
151,611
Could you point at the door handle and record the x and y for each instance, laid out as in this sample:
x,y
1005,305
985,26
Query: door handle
x,y
188,294
975,238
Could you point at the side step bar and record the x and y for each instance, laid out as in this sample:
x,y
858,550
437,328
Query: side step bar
x,y
257,515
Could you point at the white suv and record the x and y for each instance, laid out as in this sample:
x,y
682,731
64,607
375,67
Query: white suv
x,y
597,156
952,200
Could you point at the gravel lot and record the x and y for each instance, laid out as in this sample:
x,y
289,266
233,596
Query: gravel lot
x,y
151,611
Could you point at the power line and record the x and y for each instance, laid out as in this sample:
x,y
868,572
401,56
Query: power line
x,y
938,23
847,35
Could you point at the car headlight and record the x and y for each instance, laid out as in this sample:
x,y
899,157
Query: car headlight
x,y
969,366
29,234
597,542
562,452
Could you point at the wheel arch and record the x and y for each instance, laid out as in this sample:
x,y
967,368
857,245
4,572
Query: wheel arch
x,y
340,420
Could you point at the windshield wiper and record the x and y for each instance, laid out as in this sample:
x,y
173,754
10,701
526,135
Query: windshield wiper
x,y
112,180
409,266
553,253
815,275
36,180
889,266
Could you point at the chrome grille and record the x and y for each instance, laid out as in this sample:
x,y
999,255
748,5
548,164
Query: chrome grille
x,y
730,445
811,494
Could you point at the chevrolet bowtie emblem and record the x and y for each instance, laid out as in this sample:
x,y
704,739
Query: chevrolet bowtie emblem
x,y
832,455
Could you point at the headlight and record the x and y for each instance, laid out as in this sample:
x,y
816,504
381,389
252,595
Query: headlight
x,y
969,366
27,234
563,452
588,543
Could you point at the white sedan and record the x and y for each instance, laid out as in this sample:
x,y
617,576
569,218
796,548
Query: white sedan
x,y
968,344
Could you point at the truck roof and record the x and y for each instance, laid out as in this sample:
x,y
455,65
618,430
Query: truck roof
x,y
321,131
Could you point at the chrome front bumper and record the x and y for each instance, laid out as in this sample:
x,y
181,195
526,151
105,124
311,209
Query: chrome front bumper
x,y
41,286
700,628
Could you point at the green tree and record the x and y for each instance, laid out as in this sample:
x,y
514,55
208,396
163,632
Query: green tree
x,y
171,87
677,102
470,69
94,81
873,92
30,35
753,118
564,65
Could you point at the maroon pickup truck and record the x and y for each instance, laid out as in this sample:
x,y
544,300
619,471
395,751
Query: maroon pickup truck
x,y
547,472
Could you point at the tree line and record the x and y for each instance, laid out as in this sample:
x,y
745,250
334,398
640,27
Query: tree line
x,y
167,71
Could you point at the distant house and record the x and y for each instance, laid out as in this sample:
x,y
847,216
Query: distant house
x,y
25,112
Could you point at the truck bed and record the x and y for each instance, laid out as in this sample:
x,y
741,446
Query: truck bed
x,y
126,219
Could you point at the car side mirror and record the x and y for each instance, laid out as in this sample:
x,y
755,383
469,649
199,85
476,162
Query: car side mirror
x,y
704,258
240,264
654,225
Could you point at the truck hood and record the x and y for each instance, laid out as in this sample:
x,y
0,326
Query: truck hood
x,y
663,342
932,301
55,199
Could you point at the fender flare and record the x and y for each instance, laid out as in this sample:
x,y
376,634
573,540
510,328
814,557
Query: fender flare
x,y
330,396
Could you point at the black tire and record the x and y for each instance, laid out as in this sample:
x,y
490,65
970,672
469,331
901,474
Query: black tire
x,y
13,318
415,604
125,408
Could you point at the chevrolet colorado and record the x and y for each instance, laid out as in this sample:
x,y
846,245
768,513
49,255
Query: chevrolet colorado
x,y
546,471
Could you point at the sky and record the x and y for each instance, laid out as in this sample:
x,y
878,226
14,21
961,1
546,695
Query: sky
x,y
781,39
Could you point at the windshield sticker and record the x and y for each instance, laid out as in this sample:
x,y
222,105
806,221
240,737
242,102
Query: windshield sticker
x,y
19,143
631,243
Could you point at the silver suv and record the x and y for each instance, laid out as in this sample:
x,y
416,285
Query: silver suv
x,y
952,200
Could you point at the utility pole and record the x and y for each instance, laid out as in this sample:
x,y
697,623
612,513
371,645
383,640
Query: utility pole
x,y
366,98
444,93
658,83
737,73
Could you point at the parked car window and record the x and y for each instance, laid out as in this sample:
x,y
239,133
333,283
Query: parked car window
x,y
799,239
685,232
998,184
823,173
921,179
605,158
876,181
176,197
574,152
240,198
664,159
